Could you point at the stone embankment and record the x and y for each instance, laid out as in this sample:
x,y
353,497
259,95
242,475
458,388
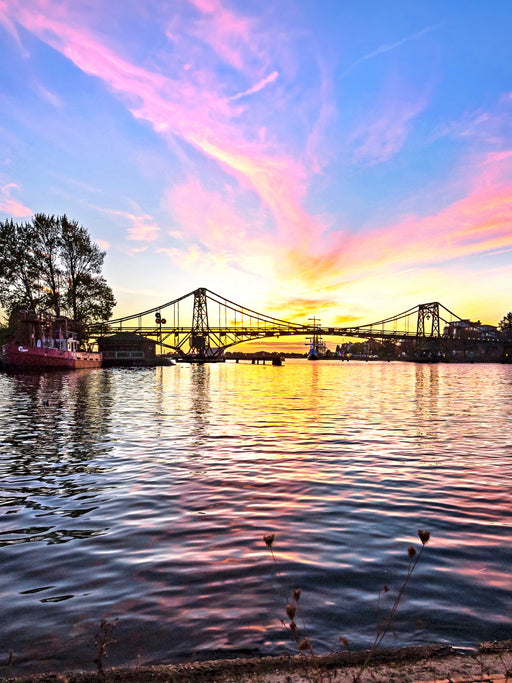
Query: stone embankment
x,y
492,663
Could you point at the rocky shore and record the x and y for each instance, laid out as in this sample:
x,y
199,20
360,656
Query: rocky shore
x,y
492,663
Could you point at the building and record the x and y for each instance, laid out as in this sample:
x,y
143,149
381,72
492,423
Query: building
x,y
127,349
467,329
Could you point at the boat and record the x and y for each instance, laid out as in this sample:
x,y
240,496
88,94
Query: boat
x,y
317,346
316,349
47,342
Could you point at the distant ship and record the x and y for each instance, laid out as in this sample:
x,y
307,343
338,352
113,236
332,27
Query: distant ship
x,y
316,349
317,346
46,342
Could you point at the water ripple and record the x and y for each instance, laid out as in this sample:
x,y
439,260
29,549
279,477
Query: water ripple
x,y
143,496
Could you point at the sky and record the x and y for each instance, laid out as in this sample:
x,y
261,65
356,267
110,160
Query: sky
x,y
341,159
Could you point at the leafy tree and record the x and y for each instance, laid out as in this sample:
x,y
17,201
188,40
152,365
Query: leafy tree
x,y
505,327
52,265
92,298
19,280
388,349
46,254
83,260
4,334
506,322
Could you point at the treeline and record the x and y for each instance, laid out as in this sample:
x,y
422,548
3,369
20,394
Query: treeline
x,y
51,265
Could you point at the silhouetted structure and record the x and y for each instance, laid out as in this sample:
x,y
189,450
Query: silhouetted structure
x,y
201,332
127,349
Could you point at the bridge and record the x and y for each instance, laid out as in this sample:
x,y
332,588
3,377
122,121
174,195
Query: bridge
x,y
201,325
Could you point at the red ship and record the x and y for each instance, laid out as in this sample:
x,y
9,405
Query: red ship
x,y
47,343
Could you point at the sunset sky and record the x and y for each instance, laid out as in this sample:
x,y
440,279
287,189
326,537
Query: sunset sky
x,y
344,159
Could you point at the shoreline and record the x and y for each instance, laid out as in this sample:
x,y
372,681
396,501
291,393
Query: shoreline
x,y
491,663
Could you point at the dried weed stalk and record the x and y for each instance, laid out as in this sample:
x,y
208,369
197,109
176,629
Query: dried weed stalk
x,y
293,606
102,640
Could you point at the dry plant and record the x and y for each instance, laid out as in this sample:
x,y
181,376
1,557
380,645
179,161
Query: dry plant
x,y
102,640
383,629
9,662
293,606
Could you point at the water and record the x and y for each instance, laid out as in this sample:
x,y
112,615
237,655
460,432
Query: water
x,y
144,496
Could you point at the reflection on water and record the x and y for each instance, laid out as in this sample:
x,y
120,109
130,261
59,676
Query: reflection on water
x,y
54,427
144,495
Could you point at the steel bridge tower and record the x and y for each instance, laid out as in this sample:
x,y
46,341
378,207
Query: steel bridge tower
x,y
428,312
203,344
200,331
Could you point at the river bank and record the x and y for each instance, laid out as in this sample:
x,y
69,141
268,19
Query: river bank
x,y
491,663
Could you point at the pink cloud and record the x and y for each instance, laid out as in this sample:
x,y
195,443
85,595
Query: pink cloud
x,y
318,138
48,96
479,128
143,227
476,224
258,86
190,108
385,130
12,207
496,157
196,259
8,24
223,30
205,215
218,232
278,181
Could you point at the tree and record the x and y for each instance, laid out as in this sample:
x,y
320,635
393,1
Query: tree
x,y
19,281
88,296
92,299
4,334
46,248
52,265
505,327
506,322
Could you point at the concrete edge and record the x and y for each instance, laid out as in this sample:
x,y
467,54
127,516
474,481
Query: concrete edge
x,y
435,662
